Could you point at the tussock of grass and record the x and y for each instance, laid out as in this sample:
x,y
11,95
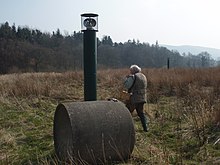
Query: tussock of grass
x,y
182,107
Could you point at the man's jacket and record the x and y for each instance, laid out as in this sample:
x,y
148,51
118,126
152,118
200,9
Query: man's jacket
x,y
137,89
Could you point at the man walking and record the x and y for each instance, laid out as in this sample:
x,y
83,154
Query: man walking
x,y
136,84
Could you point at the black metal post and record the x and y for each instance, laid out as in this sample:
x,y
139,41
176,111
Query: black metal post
x,y
168,63
90,62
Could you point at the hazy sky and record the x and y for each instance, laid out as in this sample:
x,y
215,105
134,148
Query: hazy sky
x,y
173,22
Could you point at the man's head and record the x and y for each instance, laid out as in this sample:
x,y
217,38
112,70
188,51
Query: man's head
x,y
135,69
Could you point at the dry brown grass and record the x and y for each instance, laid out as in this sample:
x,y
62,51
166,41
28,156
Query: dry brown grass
x,y
184,83
109,83
193,106
53,85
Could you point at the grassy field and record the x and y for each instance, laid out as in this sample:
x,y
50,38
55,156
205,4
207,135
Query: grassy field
x,y
183,111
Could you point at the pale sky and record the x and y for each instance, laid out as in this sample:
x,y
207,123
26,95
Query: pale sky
x,y
172,22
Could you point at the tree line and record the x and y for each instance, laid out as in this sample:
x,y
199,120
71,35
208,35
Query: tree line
x,y
23,49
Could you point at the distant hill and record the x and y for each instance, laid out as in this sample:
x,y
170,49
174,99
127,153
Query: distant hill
x,y
195,50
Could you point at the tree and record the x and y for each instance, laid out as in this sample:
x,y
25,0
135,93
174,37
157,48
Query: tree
x,y
5,31
106,40
205,59
30,49
24,34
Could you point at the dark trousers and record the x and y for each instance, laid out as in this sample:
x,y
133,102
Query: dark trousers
x,y
140,111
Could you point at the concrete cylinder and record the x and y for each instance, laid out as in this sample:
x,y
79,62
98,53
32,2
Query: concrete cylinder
x,y
93,132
